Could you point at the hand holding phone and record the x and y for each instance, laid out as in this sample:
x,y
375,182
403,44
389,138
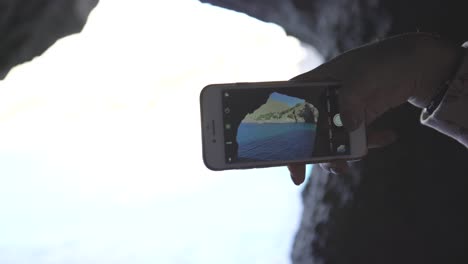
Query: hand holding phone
x,y
384,75
252,125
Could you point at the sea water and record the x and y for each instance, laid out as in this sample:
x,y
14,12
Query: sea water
x,y
277,141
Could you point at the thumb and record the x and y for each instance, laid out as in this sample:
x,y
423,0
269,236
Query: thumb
x,y
351,106
323,73
334,69
352,109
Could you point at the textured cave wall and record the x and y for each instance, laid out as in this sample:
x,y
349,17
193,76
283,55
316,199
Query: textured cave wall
x,y
30,27
333,26
320,23
406,203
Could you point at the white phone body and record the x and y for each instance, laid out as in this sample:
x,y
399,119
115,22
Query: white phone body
x,y
214,114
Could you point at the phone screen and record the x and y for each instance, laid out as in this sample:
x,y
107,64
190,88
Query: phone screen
x,y
282,124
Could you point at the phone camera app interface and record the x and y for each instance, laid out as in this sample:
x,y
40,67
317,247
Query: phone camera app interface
x,y
283,124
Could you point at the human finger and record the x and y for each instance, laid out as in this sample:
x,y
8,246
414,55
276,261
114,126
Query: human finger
x,y
333,70
297,172
352,108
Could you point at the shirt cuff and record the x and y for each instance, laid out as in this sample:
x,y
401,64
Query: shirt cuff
x,y
451,116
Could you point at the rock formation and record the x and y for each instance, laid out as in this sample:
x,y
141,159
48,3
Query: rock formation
x,y
30,27
300,113
333,26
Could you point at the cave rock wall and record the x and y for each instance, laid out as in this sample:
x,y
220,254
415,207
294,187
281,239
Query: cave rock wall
x,y
30,27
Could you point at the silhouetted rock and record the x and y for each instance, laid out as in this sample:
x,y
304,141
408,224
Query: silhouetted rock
x,y
30,27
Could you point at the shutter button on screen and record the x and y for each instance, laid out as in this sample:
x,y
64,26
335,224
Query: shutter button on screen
x,y
337,120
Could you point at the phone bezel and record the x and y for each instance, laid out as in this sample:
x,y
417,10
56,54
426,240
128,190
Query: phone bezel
x,y
212,118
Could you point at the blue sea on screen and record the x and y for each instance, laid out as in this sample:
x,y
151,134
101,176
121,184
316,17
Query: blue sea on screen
x,y
276,141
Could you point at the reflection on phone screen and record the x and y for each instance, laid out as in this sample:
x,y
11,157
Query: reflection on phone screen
x,y
282,124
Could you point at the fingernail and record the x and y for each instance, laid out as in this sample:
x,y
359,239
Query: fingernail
x,y
349,118
294,179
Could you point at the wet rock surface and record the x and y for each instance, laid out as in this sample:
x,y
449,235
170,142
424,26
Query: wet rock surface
x,y
30,27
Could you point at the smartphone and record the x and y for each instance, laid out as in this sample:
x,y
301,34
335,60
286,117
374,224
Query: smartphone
x,y
256,125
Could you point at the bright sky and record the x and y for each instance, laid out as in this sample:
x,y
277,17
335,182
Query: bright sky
x,y
100,150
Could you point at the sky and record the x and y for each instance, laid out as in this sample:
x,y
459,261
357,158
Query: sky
x,y
89,175
289,100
